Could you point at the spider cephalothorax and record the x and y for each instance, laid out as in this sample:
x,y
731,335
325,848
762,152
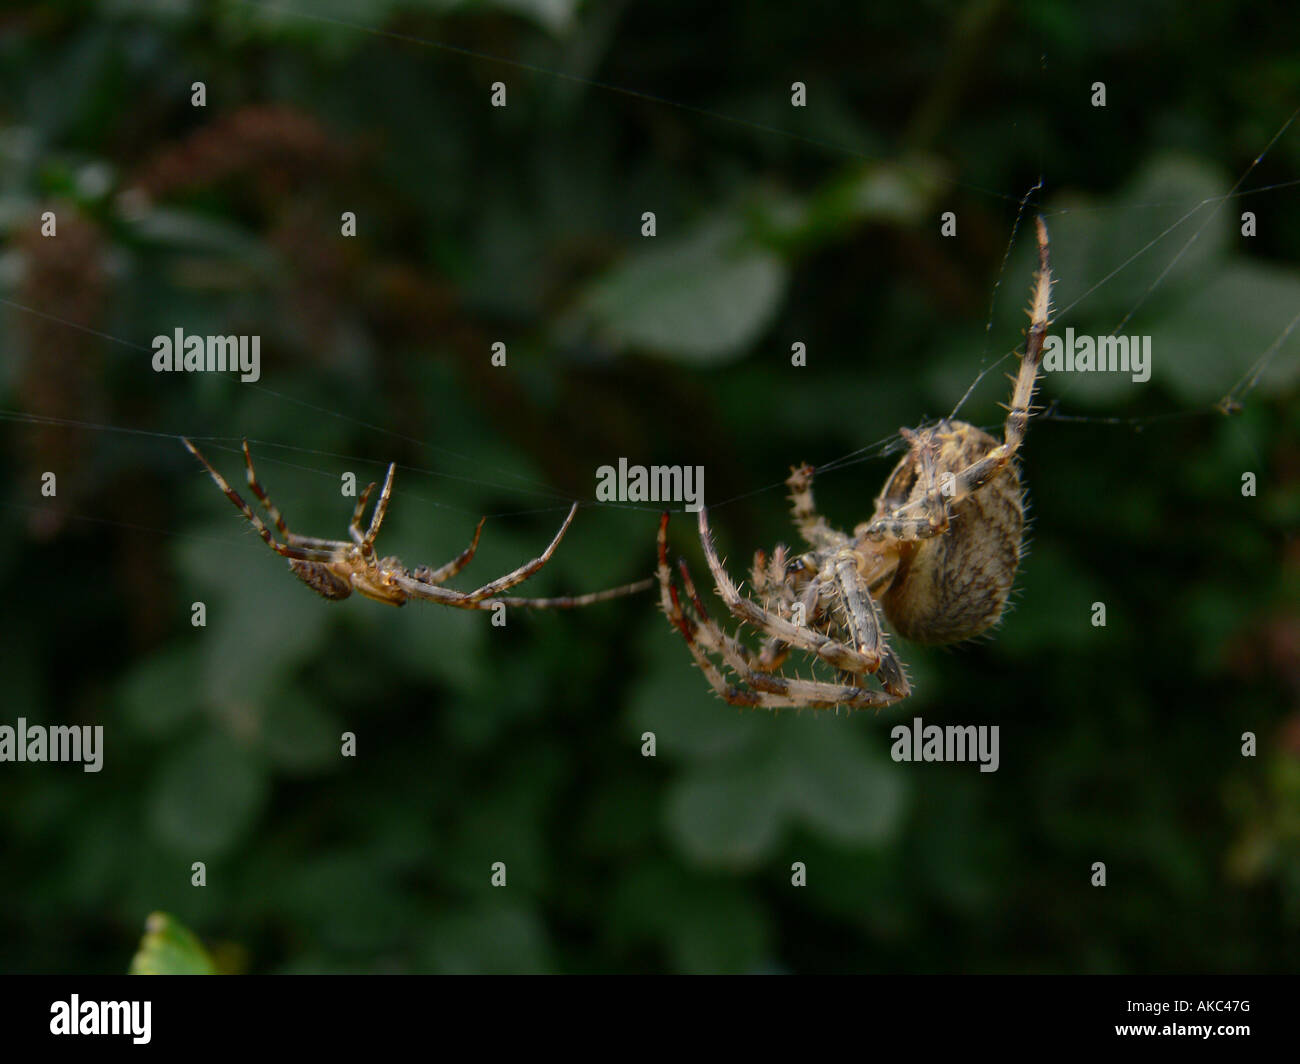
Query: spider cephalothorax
x,y
334,568
937,558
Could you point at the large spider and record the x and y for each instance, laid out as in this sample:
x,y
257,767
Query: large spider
x,y
937,558
335,568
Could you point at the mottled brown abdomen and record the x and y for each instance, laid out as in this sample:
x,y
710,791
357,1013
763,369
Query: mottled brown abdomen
x,y
955,585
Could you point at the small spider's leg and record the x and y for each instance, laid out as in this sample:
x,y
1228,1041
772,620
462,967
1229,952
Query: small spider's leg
x,y
421,589
518,576
863,620
569,602
423,583
812,526
295,551
354,526
451,568
261,494
381,508
744,609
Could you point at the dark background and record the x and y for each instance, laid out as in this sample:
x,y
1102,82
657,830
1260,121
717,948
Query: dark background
x,y
775,225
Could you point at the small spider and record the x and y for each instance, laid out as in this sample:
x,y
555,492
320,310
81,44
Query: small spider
x,y
937,558
335,568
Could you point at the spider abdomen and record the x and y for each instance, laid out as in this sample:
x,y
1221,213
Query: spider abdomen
x,y
320,579
955,585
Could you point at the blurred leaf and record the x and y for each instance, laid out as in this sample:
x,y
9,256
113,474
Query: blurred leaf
x,y
159,696
729,815
815,771
206,795
169,948
553,15
705,926
699,298
490,940
297,734
1218,336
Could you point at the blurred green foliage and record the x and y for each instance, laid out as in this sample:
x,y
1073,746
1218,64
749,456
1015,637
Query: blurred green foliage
x,y
775,225
169,948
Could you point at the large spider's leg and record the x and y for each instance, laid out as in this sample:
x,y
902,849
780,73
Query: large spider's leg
x,y
744,609
812,525
774,650
704,630
816,694
695,633
863,620
933,520
1040,314
759,689
451,568
979,473
295,551
767,579
738,657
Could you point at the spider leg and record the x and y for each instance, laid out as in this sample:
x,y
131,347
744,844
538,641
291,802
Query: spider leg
x,y
863,620
755,686
979,473
424,583
568,602
816,694
693,632
381,508
744,609
298,549
258,491
935,504
526,570
354,526
451,568
737,656
812,525
897,523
